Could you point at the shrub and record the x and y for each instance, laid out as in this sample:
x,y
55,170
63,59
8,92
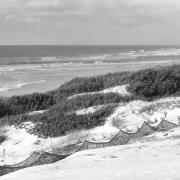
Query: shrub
x,y
59,123
3,138
152,83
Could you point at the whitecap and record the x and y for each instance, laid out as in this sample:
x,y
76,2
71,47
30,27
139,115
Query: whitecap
x,y
18,85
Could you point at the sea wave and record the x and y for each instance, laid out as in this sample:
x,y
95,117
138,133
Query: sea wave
x,y
18,85
46,66
91,58
8,87
129,56
132,54
119,56
158,52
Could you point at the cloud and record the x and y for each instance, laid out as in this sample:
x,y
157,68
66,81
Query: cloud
x,y
125,12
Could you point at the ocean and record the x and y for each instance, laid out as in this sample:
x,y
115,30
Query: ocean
x,y
27,69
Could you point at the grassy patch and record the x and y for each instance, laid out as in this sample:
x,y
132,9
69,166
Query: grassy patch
x,y
58,123
155,83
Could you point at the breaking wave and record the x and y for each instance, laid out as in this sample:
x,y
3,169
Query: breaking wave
x,y
17,85
110,56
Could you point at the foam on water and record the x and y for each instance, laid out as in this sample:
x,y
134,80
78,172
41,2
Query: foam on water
x,y
113,53
21,66
17,85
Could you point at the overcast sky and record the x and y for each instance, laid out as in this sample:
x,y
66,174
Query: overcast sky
x,y
89,21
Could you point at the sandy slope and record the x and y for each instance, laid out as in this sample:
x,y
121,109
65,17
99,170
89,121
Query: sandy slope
x,y
156,157
122,90
36,112
92,109
130,116
17,147
20,144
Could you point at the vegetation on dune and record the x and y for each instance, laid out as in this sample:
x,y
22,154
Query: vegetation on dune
x,y
37,101
85,101
144,83
148,83
60,124
151,83
21,104
53,124
61,118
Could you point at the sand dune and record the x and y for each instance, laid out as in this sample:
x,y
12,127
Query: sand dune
x,y
154,157
122,90
127,116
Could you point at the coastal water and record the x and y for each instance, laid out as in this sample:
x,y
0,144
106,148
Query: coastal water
x,y
27,69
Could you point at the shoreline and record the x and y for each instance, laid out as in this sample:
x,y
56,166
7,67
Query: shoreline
x,y
53,78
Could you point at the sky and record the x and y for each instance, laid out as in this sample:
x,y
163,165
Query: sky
x,y
89,22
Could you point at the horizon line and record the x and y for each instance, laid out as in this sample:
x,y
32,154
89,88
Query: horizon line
x,y
89,44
